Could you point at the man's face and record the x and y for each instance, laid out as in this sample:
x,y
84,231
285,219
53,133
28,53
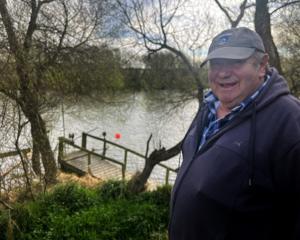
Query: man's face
x,y
234,80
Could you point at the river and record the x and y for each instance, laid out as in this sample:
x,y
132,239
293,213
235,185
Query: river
x,y
133,116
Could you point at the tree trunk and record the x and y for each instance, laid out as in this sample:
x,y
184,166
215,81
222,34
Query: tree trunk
x,y
41,141
263,28
138,182
35,158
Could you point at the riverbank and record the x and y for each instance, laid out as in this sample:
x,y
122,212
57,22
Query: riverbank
x,y
96,211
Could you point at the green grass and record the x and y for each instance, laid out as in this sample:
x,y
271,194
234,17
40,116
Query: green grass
x,y
73,212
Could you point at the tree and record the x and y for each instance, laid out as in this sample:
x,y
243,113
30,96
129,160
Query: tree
x,y
151,22
88,70
137,183
262,22
234,22
163,70
289,43
15,170
34,35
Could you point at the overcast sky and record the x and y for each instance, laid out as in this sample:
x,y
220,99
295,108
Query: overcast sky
x,y
196,21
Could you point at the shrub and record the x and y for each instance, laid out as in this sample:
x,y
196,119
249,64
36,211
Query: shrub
x,y
116,220
161,196
71,212
71,197
112,190
3,224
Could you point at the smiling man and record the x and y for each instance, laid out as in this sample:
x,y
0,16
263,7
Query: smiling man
x,y
240,175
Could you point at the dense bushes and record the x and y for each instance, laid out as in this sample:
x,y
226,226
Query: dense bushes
x,y
74,212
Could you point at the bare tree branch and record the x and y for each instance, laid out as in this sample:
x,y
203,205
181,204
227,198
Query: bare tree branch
x,y
12,38
32,24
147,146
46,1
234,23
153,44
224,10
283,6
23,161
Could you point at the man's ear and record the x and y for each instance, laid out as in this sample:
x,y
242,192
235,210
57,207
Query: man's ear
x,y
263,65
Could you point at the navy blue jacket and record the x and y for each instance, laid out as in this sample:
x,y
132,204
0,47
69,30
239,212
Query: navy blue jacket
x,y
244,183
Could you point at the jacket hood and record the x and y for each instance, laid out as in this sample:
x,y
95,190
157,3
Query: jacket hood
x,y
276,86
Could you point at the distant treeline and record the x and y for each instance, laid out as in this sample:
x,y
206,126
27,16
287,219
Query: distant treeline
x,y
94,68
101,68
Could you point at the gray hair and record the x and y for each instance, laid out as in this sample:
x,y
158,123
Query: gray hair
x,y
258,56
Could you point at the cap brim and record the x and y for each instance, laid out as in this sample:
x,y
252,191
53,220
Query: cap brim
x,y
229,53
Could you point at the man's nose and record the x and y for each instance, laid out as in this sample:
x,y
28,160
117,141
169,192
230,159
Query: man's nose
x,y
224,71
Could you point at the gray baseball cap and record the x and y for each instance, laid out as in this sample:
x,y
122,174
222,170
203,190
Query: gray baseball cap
x,y
235,43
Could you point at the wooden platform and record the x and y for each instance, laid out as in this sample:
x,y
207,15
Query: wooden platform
x,y
78,162
102,165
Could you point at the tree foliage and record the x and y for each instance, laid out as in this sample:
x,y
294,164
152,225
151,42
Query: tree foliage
x,y
34,34
289,44
164,70
88,70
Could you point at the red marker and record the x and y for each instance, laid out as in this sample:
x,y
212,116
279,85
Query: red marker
x,y
117,135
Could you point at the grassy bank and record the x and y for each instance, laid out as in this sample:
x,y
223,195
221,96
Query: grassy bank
x,y
71,211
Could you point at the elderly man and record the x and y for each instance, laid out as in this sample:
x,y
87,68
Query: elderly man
x,y
240,175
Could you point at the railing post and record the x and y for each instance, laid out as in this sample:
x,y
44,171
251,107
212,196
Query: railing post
x,y
60,149
83,140
167,176
89,159
104,144
125,165
89,164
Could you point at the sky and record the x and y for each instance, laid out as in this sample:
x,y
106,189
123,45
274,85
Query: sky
x,y
192,28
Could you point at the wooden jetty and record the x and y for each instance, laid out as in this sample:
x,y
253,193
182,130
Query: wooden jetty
x,y
82,160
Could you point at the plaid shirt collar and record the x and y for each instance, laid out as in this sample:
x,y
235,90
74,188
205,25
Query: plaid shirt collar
x,y
214,124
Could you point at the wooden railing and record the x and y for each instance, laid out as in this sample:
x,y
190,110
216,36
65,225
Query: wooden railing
x,y
14,153
89,153
16,166
106,143
126,151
